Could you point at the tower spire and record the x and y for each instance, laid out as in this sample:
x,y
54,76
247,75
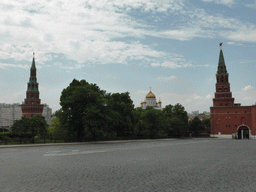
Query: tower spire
x,y
221,65
33,61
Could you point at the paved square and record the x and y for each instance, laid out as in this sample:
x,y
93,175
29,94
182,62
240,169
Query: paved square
x,y
151,165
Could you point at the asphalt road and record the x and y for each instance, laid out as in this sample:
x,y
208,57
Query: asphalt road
x,y
153,165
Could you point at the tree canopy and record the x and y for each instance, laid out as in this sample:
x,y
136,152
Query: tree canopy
x,y
196,126
30,127
89,113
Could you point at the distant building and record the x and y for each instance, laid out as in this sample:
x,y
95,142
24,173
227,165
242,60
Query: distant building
x,y
11,112
47,113
150,100
228,118
195,113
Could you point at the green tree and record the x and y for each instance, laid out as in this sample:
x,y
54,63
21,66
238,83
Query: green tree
x,y
56,130
207,122
30,127
22,128
178,127
38,126
122,108
137,121
178,119
196,126
152,123
82,110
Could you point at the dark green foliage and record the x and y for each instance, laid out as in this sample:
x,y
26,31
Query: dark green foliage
x,y
82,110
89,113
207,122
178,120
150,123
196,126
122,109
56,131
30,127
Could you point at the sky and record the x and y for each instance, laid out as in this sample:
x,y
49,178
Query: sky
x,y
171,46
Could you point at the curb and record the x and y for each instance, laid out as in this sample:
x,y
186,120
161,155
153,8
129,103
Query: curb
x,y
81,143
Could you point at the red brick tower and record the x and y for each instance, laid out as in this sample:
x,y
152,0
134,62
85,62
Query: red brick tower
x,y
228,118
32,104
223,96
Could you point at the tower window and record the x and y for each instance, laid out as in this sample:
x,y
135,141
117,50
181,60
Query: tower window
x,y
219,89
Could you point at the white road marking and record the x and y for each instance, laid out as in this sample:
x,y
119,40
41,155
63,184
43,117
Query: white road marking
x,y
76,152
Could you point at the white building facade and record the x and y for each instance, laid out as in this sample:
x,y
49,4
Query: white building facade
x,y
12,112
9,113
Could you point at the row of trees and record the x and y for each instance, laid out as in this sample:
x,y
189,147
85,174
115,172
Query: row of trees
x,y
89,113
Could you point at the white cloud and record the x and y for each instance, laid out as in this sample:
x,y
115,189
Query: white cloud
x,y
83,31
247,98
247,94
185,33
166,78
97,31
248,88
18,94
225,2
209,96
230,43
6,65
176,63
196,96
168,64
244,33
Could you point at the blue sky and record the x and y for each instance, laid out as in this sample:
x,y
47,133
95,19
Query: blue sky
x,y
171,46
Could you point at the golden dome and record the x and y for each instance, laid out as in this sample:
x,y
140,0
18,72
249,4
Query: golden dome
x,y
150,95
159,101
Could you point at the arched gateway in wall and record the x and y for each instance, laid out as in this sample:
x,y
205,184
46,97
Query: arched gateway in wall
x,y
243,132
